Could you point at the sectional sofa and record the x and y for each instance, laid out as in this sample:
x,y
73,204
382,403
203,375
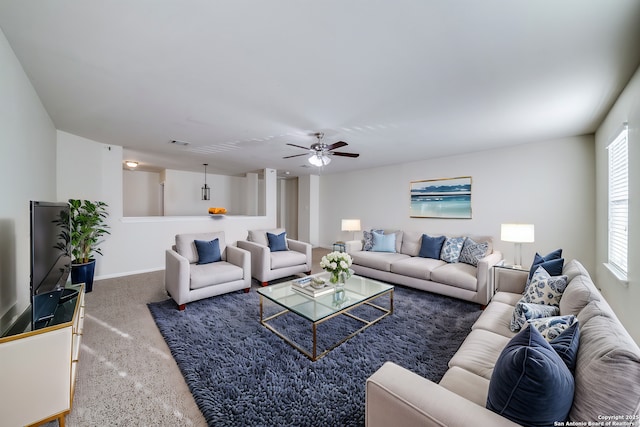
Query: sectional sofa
x,y
404,266
606,375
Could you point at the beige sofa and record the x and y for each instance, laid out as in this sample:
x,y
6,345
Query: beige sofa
x,y
187,281
405,267
607,374
267,265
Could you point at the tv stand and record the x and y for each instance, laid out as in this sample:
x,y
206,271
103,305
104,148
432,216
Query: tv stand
x,y
39,366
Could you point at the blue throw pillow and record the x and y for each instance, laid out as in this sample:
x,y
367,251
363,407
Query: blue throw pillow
x,y
277,242
451,249
208,251
384,242
551,256
430,247
553,267
566,345
530,384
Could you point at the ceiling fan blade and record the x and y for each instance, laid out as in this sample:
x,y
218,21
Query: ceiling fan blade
x,y
336,145
296,155
339,153
299,146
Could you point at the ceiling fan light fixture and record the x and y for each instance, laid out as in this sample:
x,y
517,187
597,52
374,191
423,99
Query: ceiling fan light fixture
x,y
319,160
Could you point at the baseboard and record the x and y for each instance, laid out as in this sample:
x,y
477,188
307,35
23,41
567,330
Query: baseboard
x,y
128,273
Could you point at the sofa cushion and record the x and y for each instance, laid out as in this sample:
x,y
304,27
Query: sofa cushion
x,y
417,267
277,242
208,251
282,259
496,318
473,251
524,311
186,247
463,383
479,352
451,249
459,275
608,371
544,288
384,242
573,269
215,273
531,385
377,260
411,241
430,247
578,293
510,298
260,236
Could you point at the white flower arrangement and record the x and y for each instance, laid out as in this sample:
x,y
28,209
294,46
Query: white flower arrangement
x,y
336,263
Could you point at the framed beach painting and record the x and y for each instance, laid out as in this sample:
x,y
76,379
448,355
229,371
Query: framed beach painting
x,y
441,198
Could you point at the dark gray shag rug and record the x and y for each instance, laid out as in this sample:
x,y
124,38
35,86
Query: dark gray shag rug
x,y
242,374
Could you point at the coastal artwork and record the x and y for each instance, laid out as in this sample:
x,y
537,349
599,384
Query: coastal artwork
x,y
441,198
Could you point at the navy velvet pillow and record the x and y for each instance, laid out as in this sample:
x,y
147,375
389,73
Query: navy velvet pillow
x,y
566,345
530,384
277,242
431,246
208,251
552,261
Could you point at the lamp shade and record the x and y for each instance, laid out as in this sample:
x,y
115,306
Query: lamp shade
x,y
350,225
518,233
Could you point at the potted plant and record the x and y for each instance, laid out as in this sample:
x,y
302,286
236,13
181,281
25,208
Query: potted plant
x,y
87,226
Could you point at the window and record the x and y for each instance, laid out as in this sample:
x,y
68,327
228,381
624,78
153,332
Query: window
x,y
618,205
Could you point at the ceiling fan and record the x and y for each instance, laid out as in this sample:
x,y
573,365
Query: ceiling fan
x,y
321,151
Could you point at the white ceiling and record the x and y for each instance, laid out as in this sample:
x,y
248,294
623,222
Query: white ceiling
x,y
399,80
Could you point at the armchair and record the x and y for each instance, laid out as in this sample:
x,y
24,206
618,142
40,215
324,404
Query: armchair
x,y
186,280
268,264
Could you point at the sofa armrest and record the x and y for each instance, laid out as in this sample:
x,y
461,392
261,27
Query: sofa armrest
x,y
397,396
483,275
260,258
241,258
176,276
353,246
302,247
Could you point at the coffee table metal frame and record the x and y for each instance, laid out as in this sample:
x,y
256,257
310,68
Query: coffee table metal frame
x,y
314,355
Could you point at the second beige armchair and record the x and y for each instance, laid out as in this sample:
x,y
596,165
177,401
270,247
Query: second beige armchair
x,y
274,256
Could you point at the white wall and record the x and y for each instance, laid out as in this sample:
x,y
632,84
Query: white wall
x,y
549,184
625,300
182,195
138,244
28,172
142,193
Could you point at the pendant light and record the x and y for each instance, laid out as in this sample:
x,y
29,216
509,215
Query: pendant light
x,y
205,187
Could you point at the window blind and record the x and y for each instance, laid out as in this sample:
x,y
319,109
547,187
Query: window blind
x,y
618,202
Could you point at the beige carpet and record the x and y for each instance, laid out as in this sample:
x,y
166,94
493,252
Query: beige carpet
x,y
127,376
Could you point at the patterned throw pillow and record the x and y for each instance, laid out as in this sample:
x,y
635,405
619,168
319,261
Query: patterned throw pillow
x,y
526,311
451,249
473,251
552,327
368,239
544,288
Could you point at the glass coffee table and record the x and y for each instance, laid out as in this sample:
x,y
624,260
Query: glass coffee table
x,y
358,291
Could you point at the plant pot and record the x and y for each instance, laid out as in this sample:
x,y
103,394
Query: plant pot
x,y
83,273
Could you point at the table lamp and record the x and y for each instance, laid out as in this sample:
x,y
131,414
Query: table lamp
x,y
518,234
351,225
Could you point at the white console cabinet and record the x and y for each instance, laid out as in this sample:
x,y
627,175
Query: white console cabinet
x,y
38,368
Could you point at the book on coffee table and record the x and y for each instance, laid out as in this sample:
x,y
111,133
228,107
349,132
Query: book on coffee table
x,y
305,287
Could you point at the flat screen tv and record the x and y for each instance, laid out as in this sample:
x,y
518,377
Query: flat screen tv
x,y
50,257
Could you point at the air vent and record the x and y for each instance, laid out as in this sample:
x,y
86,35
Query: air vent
x,y
176,142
